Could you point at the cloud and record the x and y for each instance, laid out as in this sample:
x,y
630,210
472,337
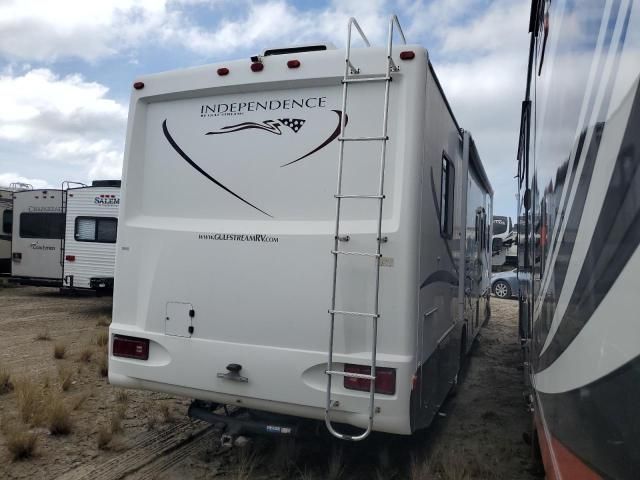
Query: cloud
x,y
7,179
46,31
67,120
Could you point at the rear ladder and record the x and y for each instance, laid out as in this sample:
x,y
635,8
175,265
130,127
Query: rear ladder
x,y
351,76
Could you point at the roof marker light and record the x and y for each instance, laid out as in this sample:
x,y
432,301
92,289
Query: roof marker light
x,y
223,71
138,85
70,258
293,63
407,55
257,66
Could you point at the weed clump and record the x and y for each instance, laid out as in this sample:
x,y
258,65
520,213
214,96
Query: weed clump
x,y
59,350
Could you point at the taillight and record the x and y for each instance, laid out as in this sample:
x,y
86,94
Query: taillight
x,y
131,347
293,63
70,258
223,71
257,66
138,85
385,379
407,55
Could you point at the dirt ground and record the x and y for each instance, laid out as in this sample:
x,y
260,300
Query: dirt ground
x,y
136,435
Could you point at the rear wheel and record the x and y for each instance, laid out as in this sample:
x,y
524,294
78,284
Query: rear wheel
x,y
501,289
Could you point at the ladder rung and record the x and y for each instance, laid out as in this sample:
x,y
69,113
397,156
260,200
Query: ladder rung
x,y
355,314
362,254
366,79
350,375
362,139
379,197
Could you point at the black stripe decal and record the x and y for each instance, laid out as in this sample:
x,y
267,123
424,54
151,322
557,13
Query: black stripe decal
x,y
181,152
331,138
615,239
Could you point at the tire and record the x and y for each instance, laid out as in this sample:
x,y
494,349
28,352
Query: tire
x,y
501,289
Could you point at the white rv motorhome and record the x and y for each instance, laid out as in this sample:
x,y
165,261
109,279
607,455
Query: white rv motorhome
x,y
38,230
222,290
91,217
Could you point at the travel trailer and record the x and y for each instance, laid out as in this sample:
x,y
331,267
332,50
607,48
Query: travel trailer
x,y
38,230
6,216
579,233
328,254
508,251
89,253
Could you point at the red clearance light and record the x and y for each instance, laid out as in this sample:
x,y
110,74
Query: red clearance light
x,y
257,66
131,347
385,379
293,63
138,85
223,71
407,55
70,258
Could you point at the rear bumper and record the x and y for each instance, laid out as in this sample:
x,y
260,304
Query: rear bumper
x,y
280,380
37,281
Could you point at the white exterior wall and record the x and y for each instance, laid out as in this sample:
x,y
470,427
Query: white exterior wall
x,y
264,304
92,259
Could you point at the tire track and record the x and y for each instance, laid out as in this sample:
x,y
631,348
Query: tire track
x,y
198,444
148,449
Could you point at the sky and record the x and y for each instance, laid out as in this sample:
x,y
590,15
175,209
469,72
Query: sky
x,y
66,69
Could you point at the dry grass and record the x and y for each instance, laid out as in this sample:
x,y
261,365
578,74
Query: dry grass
x,y
85,355
335,469
59,350
29,398
152,422
6,385
58,417
78,400
65,376
115,422
105,435
104,321
102,339
103,365
447,465
122,396
166,413
43,335
21,442
285,456
247,463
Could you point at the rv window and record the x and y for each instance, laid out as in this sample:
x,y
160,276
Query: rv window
x,y
96,229
7,221
447,184
42,225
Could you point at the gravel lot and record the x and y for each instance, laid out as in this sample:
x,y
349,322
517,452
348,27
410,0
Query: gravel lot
x,y
142,435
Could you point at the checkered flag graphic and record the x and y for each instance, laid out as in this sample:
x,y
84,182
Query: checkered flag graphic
x,y
294,124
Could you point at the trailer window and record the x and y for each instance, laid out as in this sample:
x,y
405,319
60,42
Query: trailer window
x,y
7,221
96,229
42,225
447,184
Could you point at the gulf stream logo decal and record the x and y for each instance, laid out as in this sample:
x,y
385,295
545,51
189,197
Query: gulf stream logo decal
x,y
270,126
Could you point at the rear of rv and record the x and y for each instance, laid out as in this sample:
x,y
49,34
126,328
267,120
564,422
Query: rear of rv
x,y
226,229
37,234
90,237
